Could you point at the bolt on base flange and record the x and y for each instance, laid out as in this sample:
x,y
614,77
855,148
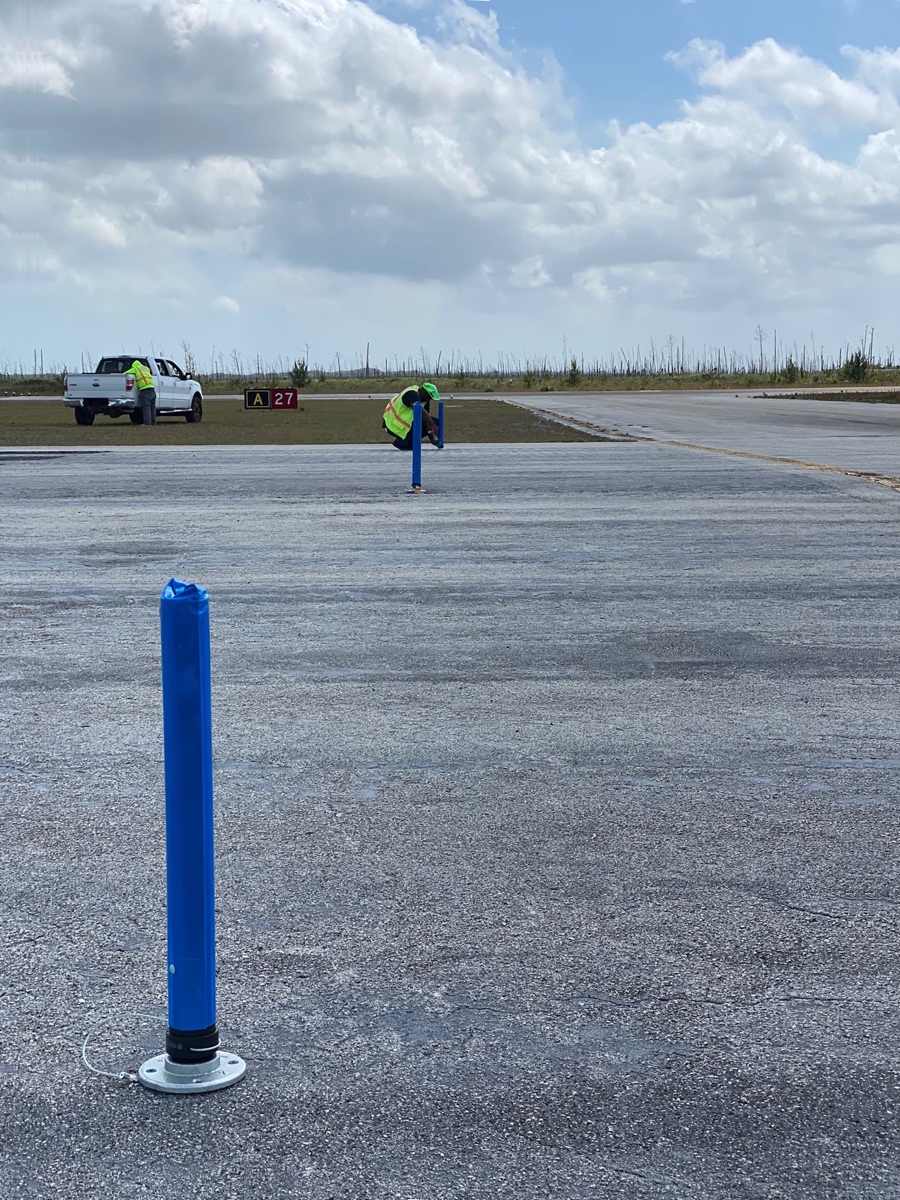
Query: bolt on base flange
x,y
161,1074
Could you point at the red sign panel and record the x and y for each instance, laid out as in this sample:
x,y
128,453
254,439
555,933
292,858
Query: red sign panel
x,y
283,397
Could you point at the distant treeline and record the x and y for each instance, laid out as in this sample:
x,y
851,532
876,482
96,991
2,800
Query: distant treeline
x,y
766,361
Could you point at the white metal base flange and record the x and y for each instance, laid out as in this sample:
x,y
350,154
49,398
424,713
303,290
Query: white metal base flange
x,y
162,1075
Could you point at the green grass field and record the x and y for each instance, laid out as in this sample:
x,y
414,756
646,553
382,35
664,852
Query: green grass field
x,y
317,422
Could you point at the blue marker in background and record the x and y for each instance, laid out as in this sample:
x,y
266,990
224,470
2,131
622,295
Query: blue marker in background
x,y
417,447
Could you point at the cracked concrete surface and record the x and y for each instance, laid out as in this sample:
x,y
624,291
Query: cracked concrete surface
x,y
556,824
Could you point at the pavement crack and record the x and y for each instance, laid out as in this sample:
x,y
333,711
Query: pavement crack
x,y
628,1173
587,998
717,1002
611,1168
802,908
787,905
672,998
838,1000
820,912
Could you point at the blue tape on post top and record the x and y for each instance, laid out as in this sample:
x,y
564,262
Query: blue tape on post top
x,y
417,445
440,425
187,735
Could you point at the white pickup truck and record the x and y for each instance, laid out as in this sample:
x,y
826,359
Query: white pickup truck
x,y
111,390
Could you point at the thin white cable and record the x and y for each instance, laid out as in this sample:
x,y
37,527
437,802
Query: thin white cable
x,y
129,1076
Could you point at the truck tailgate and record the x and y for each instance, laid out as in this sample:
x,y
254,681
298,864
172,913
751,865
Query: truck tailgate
x,y
98,387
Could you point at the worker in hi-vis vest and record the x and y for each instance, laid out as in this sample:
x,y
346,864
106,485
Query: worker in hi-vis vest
x,y
146,391
398,416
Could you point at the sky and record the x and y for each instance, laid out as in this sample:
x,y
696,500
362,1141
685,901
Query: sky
x,y
519,178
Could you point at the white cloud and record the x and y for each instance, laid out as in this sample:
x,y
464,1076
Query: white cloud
x,y
529,273
203,147
594,281
96,226
46,67
771,74
225,304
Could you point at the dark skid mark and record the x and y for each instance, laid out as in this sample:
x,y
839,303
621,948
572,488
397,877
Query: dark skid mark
x,y
27,455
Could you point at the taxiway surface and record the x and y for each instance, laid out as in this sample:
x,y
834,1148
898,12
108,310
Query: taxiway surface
x,y
557,815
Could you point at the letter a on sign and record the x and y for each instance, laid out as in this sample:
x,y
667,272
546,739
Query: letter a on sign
x,y
257,398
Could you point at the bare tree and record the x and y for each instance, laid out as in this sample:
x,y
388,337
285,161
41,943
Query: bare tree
x,y
761,336
190,364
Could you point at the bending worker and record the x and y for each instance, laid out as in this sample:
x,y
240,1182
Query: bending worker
x,y
398,416
146,391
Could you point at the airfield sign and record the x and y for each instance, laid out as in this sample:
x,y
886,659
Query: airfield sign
x,y
267,399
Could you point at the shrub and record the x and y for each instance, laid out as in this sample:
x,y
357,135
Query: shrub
x,y
855,368
790,372
299,374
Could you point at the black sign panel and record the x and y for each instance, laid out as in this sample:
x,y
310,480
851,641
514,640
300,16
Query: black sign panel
x,y
257,398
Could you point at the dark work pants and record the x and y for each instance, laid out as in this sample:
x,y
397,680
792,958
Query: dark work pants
x,y
148,405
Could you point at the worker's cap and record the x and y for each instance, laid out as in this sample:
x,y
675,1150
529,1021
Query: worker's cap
x,y
432,391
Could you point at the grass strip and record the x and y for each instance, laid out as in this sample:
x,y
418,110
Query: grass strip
x,y
316,423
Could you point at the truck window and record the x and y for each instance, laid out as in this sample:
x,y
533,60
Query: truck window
x,y
162,367
117,366
175,370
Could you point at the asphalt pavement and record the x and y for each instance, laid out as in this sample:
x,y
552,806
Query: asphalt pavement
x,y
556,824
853,435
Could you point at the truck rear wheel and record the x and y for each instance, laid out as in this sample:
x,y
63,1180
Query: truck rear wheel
x,y
195,416
84,416
136,416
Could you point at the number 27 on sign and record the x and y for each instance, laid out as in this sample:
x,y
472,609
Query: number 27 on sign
x,y
284,397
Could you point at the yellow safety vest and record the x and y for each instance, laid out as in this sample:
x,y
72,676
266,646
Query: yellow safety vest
x,y
141,374
398,416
